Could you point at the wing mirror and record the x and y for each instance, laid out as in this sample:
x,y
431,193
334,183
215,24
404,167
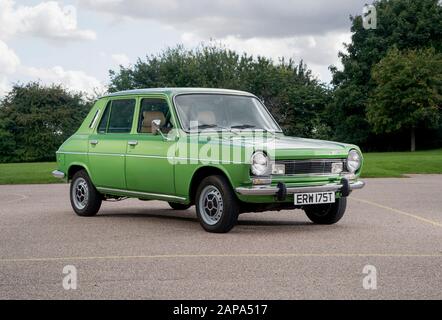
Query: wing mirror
x,y
156,123
156,129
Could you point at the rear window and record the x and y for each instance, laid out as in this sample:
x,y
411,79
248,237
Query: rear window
x,y
118,116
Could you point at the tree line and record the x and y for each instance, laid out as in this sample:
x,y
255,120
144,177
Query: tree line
x,y
387,96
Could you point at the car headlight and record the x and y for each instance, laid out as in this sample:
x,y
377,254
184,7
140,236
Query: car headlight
x,y
353,161
260,163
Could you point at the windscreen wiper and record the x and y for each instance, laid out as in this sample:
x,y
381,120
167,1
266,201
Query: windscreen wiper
x,y
243,126
209,126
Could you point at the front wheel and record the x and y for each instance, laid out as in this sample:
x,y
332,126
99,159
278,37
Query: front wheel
x,y
216,205
326,213
85,199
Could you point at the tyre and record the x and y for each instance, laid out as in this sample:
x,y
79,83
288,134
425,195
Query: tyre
x,y
216,204
85,199
329,213
178,206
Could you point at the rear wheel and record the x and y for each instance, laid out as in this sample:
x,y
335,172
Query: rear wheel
x,y
326,213
216,204
85,199
178,206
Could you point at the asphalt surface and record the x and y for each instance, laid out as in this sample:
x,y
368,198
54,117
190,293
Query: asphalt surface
x,y
144,250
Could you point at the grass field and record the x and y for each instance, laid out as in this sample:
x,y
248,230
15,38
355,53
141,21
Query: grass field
x,y
385,164
397,164
20,173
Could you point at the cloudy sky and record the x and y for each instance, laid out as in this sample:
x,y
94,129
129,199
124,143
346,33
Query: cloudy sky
x,y
76,42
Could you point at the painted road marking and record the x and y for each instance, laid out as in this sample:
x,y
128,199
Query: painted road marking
x,y
234,255
432,222
20,197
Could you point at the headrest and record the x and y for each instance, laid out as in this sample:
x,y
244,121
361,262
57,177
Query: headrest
x,y
206,117
148,116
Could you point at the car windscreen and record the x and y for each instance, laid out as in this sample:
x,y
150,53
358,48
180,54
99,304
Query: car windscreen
x,y
223,111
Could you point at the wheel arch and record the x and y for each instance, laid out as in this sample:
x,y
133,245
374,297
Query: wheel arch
x,y
74,168
203,172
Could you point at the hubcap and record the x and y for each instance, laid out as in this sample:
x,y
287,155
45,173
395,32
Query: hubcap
x,y
211,205
80,193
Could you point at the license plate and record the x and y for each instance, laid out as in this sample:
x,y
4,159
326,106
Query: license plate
x,y
314,198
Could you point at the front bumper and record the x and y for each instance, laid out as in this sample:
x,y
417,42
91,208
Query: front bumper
x,y
345,187
58,174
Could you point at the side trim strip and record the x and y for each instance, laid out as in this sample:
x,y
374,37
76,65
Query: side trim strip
x,y
71,152
138,193
204,161
105,154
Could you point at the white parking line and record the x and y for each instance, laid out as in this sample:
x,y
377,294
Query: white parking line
x,y
20,197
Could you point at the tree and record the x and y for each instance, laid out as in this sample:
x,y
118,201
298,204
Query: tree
x,y
35,120
408,92
405,24
294,97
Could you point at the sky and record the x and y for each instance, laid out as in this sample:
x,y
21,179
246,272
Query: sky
x,y
76,42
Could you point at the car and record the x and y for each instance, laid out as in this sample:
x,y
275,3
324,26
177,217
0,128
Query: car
x,y
220,150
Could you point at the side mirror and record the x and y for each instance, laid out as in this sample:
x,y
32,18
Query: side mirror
x,y
156,123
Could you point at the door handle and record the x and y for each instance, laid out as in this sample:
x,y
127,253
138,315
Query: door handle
x,y
93,142
132,143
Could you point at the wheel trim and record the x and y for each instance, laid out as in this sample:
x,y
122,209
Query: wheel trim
x,y
80,193
211,205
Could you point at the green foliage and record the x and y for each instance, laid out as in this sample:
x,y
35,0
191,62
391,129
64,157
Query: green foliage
x,y
408,92
35,120
295,98
404,24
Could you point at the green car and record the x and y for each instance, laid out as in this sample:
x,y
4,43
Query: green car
x,y
220,150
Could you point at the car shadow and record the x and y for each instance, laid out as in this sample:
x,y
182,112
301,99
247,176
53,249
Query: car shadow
x,y
189,215
163,216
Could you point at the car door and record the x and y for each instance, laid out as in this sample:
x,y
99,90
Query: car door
x,y
148,167
107,146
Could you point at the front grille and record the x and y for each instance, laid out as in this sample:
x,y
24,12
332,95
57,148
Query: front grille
x,y
315,166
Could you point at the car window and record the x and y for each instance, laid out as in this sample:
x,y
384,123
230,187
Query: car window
x,y
104,119
223,111
152,109
118,116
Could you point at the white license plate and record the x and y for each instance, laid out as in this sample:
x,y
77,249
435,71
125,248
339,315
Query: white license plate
x,y
314,198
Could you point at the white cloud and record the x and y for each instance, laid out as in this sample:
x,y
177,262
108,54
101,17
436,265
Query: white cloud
x,y
120,59
317,51
46,20
8,59
4,86
9,62
239,18
310,30
70,79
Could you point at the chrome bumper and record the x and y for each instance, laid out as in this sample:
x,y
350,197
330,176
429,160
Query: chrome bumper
x,y
58,174
274,190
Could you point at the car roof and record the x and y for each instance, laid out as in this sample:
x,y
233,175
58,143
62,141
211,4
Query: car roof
x,y
176,91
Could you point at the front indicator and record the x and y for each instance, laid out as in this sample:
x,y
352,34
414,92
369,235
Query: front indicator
x,y
337,167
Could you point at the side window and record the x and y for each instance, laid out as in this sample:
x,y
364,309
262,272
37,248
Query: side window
x,y
154,109
118,117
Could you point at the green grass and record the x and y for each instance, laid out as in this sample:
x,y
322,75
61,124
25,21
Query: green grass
x,y
398,164
384,164
21,173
